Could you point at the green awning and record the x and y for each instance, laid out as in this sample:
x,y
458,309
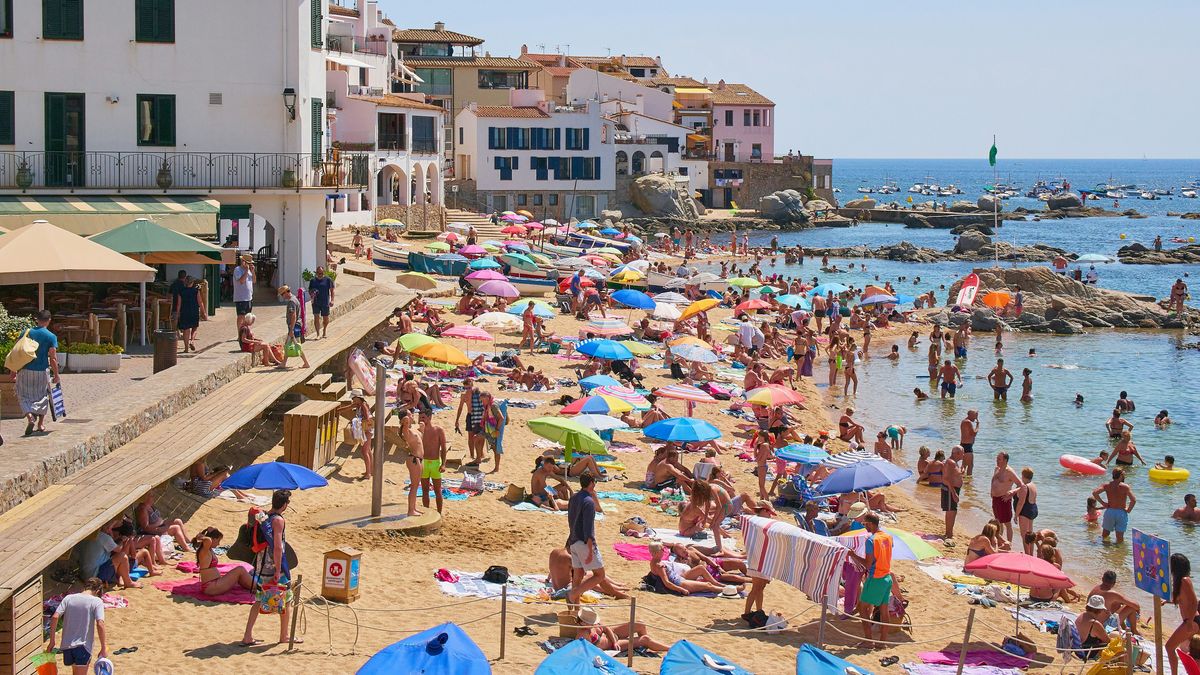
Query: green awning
x,y
154,244
87,215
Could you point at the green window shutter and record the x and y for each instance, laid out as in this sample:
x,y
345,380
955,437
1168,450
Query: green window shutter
x,y
164,120
52,18
318,130
8,132
154,20
318,19
62,19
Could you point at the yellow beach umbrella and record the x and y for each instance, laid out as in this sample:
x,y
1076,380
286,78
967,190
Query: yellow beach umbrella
x,y
639,348
418,281
441,353
626,276
698,307
688,340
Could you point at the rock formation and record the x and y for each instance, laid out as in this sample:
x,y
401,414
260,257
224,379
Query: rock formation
x,y
971,242
614,215
989,203
1136,254
1066,200
862,203
784,206
658,196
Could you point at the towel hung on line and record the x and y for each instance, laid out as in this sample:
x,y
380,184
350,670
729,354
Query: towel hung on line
x,y
777,550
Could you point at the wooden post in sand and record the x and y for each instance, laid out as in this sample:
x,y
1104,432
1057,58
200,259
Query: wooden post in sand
x,y
632,617
503,617
380,415
1158,636
821,625
295,611
1129,652
962,651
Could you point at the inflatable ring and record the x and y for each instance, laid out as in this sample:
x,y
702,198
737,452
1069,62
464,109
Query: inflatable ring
x,y
1169,475
1081,465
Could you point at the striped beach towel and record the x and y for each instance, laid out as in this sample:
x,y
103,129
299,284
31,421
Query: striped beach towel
x,y
810,562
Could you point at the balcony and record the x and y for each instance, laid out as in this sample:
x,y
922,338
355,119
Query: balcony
x,y
425,146
347,44
392,142
178,171
369,92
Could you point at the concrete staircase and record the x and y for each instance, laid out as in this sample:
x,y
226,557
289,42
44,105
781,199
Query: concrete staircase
x,y
481,222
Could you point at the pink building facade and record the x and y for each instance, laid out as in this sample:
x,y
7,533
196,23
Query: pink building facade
x,y
743,124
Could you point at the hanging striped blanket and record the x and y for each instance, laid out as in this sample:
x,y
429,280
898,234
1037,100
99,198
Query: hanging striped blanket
x,y
777,550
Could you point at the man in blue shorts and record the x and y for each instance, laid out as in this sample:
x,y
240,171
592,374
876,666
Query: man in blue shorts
x,y
82,616
320,288
950,377
1118,501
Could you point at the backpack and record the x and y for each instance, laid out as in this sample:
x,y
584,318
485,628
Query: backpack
x,y
496,574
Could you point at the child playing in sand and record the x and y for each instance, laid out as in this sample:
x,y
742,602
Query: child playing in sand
x,y
680,578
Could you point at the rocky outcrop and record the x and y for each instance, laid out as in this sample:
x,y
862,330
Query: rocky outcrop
x,y
963,206
983,228
971,242
863,203
784,206
989,203
658,196
1055,303
1066,200
907,252
917,222
614,215
1136,254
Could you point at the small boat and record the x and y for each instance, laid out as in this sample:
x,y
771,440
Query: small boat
x,y
1114,194
430,264
658,282
917,188
391,257
866,189
889,187
1163,192
1147,194
1189,193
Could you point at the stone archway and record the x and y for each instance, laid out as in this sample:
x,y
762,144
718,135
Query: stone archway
x,y
416,187
392,180
622,163
639,163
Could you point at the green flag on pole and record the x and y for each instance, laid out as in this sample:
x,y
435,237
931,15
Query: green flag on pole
x,y
992,153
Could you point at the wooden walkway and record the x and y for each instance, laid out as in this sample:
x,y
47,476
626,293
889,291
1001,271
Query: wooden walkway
x,y
39,530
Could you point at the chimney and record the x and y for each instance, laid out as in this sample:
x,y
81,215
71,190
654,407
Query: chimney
x,y
439,25
721,84
562,60
706,81
524,50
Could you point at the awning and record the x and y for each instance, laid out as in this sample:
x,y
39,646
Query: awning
x,y
699,138
347,61
88,215
692,90
410,75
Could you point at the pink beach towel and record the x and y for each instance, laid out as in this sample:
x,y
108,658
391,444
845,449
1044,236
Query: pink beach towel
x,y
190,567
978,657
191,588
632,551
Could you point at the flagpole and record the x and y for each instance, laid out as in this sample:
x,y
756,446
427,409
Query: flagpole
x,y
995,207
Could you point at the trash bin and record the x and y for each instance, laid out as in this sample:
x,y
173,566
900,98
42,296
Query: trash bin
x,y
166,348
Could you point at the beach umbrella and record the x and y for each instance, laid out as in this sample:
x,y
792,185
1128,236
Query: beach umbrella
x,y
472,250
751,305
666,311
688,340
627,276
878,299
550,222
772,395
797,301
491,248
686,393
825,288
388,221
744,282
410,341
906,545
437,246
841,459
610,231
586,225
766,290
698,307
484,264
902,299
686,658
440,352
498,321
641,265
607,327
802,453
449,236
600,405
606,250
812,660
573,436
600,422
591,273
1093,258
520,261
513,218
862,476
441,650
540,258
997,299
1019,569
694,353
467,332
500,289
580,657
672,298
682,429
596,259
626,394
513,229
605,349
872,289
661,235
534,226
639,348
523,212
274,476
451,257
540,311
593,381
486,275
417,281
633,298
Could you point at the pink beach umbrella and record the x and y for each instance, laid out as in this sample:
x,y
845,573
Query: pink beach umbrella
x,y
534,226
1019,569
513,218
486,275
467,332
687,393
472,250
449,237
513,229
626,394
498,288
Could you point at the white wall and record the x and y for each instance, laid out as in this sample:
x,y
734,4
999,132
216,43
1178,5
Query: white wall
x,y
697,173
586,85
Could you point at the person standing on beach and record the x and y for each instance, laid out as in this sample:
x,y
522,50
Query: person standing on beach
x,y
1004,480
433,443
321,290
82,617
243,287
952,482
876,592
1183,595
581,542
471,400
412,442
1179,292
968,429
1000,379
271,571
1118,501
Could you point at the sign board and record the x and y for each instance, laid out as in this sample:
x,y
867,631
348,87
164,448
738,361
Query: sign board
x,y
335,573
1151,571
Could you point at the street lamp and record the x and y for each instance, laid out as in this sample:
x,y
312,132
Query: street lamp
x,y
289,102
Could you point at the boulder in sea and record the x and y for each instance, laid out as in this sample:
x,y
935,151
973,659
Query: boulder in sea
x,y
917,222
963,206
862,203
658,196
984,320
1066,200
1064,327
971,242
982,228
988,203
784,206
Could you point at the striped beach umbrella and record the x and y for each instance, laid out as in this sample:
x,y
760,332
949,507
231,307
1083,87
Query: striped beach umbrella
x,y
607,327
684,392
626,394
467,332
774,395
600,405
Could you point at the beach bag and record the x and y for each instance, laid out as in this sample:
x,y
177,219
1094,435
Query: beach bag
x,y
58,407
272,598
356,430
277,352
24,350
496,574
472,482
756,619
515,493
291,348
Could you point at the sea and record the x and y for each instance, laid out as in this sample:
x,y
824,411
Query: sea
x,y
1151,365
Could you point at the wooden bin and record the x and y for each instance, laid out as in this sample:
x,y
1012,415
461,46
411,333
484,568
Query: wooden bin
x,y
340,580
21,629
310,433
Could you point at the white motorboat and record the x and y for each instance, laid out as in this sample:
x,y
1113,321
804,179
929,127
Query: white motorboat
x,y
866,189
1165,192
1189,193
387,255
1147,194
917,188
1115,194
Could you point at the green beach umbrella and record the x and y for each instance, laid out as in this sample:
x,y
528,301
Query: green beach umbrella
x,y
153,244
540,258
520,261
410,341
573,436
744,282
438,246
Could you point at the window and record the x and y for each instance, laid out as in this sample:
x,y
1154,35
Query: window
x,y
318,132
767,117
537,200
434,50
435,81
499,203
506,166
8,123
155,119
522,199
756,151
154,20
318,23
728,118
577,139
390,132
585,206
745,118
6,27
545,139
637,72
540,166
460,135
552,199
62,19
424,135
503,79
757,118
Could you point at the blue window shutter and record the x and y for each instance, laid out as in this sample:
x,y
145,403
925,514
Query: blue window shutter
x,y
557,139
497,162
596,168
585,138
516,165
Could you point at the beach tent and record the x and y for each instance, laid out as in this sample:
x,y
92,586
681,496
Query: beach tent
x,y
441,650
814,661
580,657
686,658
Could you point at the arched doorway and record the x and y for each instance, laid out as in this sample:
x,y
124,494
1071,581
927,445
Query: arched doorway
x,y
416,189
657,163
639,162
389,189
622,163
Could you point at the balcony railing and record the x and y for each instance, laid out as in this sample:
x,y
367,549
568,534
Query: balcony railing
x,y
191,171
362,90
426,146
357,43
392,142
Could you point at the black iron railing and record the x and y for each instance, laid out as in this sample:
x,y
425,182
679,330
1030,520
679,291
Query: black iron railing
x,y
193,171
425,145
392,141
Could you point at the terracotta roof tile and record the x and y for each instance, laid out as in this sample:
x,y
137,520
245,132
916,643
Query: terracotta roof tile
x,y
737,94
558,71
471,61
639,61
399,102
338,10
677,81
387,22
429,35
509,112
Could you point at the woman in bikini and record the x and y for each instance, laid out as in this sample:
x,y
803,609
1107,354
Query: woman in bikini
x,y
1183,595
1026,506
212,582
680,577
1115,424
618,637
982,544
1125,451
933,471
922,462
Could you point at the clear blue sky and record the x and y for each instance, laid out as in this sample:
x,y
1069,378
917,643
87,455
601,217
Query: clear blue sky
x,y
1052,78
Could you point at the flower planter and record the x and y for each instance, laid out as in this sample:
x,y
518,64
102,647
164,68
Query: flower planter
x,y
9,406
94,363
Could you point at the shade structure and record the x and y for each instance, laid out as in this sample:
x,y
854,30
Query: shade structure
x,y
626,394
451,257
448,236
480,276
151,243
744,282
513,229
906,545
593,381
439,352
639,348
437,246
802,453
484,264
498,288
520,261
863,476
410,341
774,395
797,301
1093,258
686,658
472,250
752,305
586,225
682,429
878,299
633,298
580,657
274,476
826,288
688,340
997,299
498,321
607,327
598,405
696,353
610,231
698,307
417,281
605,349
672,298
841,459
539,310
1020,569
441,650
388,221
812,660
467,332
666,311
573,436
41,253
600,422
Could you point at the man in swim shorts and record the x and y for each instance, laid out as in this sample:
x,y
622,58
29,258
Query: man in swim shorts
x,y
1118,501
877,589
968,429
952,482
433,440
1001,379
950,377
1004,480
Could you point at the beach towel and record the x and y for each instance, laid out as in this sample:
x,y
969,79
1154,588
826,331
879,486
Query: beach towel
x,y
526,506
778,550
621,496
1039,616
472,585
635,552
978,657
110,600
931,669
190,567
190,588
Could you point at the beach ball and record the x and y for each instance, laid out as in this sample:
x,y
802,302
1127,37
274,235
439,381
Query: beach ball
x,y
1122,236
1191,239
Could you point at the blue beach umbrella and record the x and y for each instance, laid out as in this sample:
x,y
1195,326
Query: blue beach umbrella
x,y
633,298
484,264
451,257
516,245
580,657
791,300
682,429
274,476
520,261
904,299
587,225
589,383
694,353
860,476
632,239
605,349
802,453
686,658
825,288
610,231
540,311
815,661
441,650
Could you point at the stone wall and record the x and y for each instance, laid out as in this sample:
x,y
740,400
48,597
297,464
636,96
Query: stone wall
x,y
418,217
760,179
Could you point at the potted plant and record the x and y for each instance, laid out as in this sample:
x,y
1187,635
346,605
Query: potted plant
x,y
289,179
164,179
11,328
86,357
24,175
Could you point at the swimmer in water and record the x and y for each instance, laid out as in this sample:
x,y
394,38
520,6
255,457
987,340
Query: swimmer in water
x,y
895,353
1078,400
1032,353
1093,512
1162,419
921,396
1168,463
1027,386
